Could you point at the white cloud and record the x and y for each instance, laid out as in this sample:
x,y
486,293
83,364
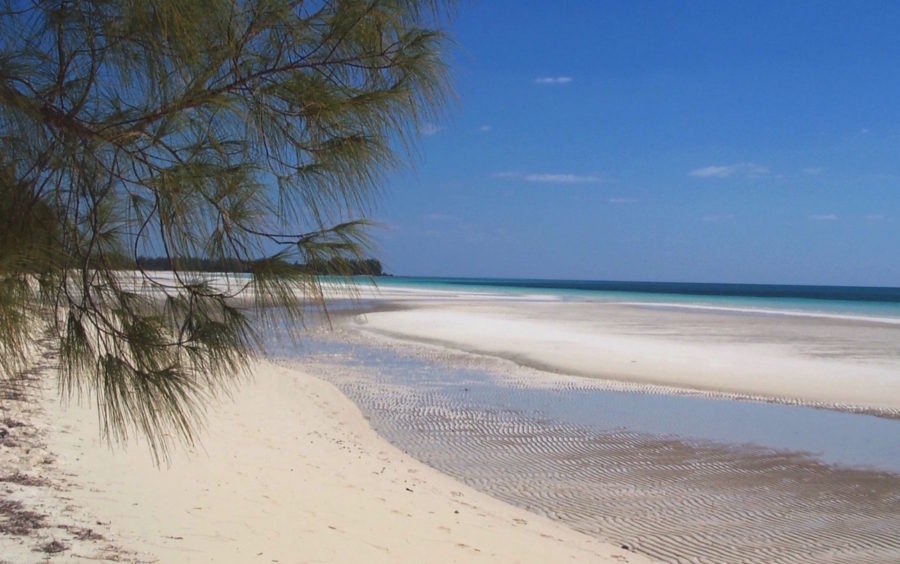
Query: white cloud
x,y
563,178
623,201
429,129
484,129
725,171
553,80
552,178
875,217
823,217
812,171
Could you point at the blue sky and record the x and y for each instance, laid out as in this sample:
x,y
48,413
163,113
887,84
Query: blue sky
x,y
696,141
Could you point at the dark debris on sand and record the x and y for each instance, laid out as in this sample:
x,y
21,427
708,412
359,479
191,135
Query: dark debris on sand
x,y
35,514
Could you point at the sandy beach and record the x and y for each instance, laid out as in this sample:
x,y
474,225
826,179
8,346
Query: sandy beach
x,y
288,471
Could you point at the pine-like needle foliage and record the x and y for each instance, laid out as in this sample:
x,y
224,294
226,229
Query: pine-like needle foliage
x,y
233,130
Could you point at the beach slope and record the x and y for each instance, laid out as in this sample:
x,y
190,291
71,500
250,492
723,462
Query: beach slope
x,y
290,471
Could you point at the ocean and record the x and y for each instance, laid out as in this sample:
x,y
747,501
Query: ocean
x,y
880,304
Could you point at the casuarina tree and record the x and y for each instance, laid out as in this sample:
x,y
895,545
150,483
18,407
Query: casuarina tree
x,y
249,132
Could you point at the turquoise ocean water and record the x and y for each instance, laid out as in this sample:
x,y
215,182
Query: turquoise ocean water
x,y
856,302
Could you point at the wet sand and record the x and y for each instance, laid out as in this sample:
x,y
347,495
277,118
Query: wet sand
x,y
486,423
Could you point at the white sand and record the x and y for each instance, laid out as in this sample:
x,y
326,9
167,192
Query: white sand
x,y
666,348
290,471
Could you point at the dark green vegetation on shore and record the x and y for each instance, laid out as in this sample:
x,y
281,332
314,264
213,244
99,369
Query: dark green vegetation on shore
x,y
334,266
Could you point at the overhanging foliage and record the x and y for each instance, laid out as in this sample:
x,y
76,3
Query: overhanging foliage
x,y
248,132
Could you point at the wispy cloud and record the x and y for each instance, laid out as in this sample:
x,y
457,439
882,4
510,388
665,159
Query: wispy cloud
x,y
812,171
822,217
875,217
484,129
623,201
553,80
564,178
724,171
429,129
552,178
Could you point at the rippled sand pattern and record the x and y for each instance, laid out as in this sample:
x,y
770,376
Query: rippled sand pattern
x,y
675,502
672,500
